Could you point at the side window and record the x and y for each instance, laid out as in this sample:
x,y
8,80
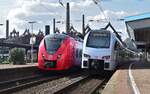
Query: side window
x,y
80,54
77,53
117,46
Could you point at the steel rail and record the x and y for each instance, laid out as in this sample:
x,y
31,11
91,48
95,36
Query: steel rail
x,y
18,80
76,83
27,85
62,87
97,86
19,84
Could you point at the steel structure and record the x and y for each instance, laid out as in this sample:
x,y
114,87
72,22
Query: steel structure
x,y
138,27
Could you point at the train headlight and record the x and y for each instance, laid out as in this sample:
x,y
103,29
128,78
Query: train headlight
x,y
59,56
106,57
43,56
86,55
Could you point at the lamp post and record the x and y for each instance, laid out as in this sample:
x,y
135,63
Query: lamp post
x,y
32,22
2,47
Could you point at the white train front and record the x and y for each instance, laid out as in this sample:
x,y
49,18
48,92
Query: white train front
x,y
99,50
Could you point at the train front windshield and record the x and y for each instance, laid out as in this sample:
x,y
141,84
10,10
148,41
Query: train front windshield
x,y
52,43
98,40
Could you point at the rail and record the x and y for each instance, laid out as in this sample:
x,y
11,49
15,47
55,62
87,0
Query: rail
x,y
18,84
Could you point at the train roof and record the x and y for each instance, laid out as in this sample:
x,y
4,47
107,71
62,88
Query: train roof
x,y
56,36
100,30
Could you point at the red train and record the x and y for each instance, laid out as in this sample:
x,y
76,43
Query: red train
x,y
59,52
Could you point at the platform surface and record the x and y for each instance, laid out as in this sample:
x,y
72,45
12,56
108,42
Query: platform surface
x,y
130,78
11,66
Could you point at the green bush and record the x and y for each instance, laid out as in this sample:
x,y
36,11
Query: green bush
x,y
7,61
17,56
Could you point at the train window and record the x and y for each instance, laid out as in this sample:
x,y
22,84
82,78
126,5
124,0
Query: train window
x,y
52,43
80,53
77,53
117,46
98,40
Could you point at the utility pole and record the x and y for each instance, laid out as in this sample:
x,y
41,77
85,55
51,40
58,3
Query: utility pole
x,y
32,22
47,30
2,47
67,18
54,31
7,28
83,25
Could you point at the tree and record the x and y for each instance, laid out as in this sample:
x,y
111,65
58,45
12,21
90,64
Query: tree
x,y
17,56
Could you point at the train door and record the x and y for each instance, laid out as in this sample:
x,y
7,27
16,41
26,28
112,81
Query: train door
x,y
78,56
119,54
116,52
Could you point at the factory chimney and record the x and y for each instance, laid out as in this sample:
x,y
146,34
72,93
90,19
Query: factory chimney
x,y
7,29
54,31
47,30
83,25
68,19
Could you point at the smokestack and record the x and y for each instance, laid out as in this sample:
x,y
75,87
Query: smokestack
x,y
7,28
54,26
83,25
67,18
47,29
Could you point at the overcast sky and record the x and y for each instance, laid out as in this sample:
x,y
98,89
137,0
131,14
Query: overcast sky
x,y
20,12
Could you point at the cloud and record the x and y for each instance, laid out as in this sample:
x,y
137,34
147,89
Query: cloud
x,y
2,34
43,11
79,4
33,10
99,21
106,0
112,15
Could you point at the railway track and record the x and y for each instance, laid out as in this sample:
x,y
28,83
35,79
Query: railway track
x,y
18,84
64,86
14,86
80,85
9,83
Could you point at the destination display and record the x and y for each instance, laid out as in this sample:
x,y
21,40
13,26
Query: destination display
x,y
100,34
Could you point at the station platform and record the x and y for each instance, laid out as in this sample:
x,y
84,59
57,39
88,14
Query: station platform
x,y
10,71
130,78
11,66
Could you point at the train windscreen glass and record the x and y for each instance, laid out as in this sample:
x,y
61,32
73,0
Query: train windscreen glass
x,y
53,43
98,40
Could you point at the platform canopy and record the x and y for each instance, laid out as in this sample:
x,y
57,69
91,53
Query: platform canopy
x,y
138,28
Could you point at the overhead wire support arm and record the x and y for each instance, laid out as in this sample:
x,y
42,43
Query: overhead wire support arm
x,y
87,29
116,33
119,38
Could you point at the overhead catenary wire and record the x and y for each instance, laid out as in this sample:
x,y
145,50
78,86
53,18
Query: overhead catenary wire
x,y
60,2
101,9
110,25
45,7
48,9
